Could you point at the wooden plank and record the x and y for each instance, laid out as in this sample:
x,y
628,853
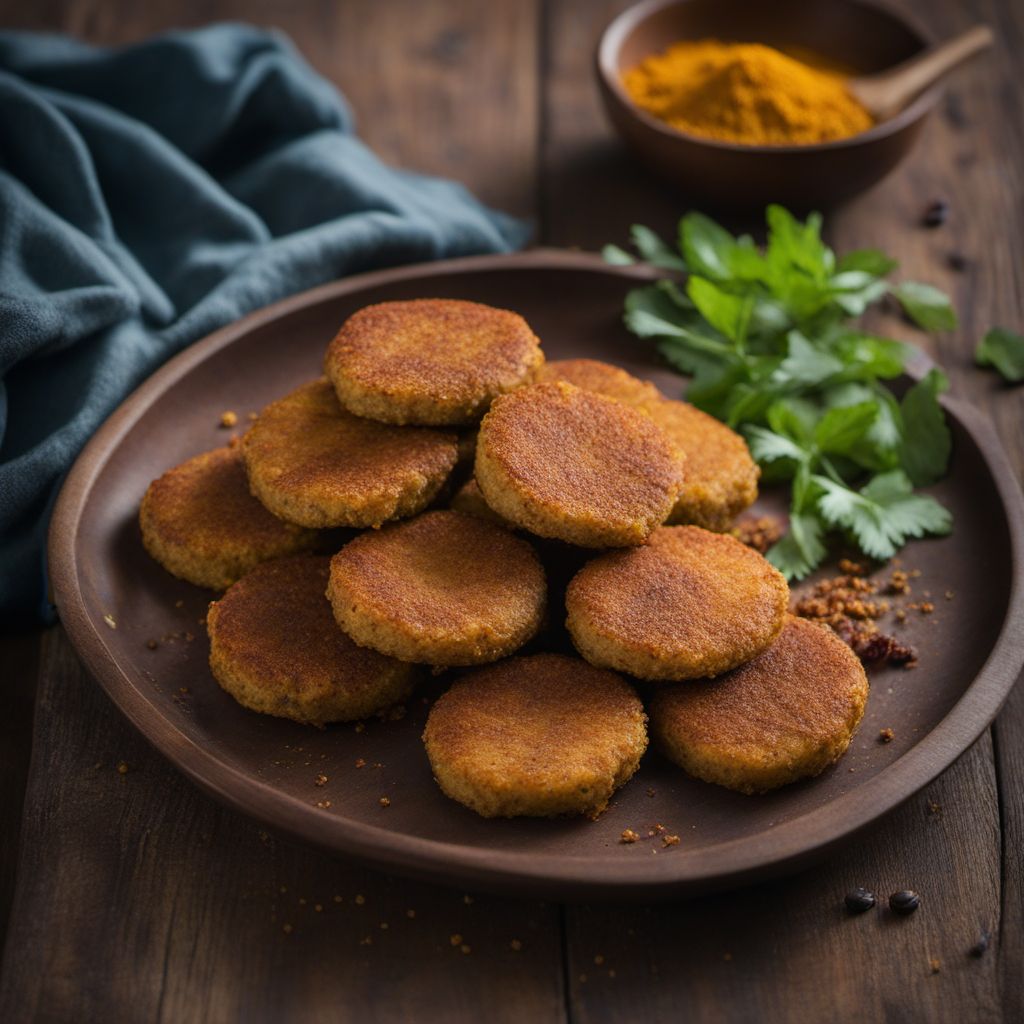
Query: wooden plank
x,y
19,656
792,953
446,89
141,899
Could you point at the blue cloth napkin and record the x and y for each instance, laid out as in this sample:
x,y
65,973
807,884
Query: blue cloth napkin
x,y
150,195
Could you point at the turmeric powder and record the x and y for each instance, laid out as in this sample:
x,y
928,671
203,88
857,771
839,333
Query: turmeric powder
x,y
746,93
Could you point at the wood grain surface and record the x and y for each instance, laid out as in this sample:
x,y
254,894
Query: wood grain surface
x,y
134,897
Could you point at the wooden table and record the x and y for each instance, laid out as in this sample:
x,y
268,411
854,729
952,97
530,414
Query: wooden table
x,y
133,897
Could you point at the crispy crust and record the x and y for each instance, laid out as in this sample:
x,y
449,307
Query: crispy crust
x,y
721,477
690,603
444,588
275,647
539,736
786,715
200,522
576,466
313,463
430,361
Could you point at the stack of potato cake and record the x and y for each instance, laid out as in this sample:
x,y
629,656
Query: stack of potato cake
x,y
475,497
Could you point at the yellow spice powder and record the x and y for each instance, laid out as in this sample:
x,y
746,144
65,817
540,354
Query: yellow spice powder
x,y
746,93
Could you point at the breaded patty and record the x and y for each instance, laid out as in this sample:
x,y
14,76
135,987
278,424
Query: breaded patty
x,y
470,499
605,379
690,603
538,736
444,588
275,647
430,361
201,523
576,466
721,477
786,715
312,462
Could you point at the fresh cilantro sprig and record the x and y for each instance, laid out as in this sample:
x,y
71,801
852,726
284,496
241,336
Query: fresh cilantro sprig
x,y
1004,351
769,338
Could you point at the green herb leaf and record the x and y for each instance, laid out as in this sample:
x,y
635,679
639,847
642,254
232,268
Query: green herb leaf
x,y
767,446
798,244
871,261
616,256
801,551
882,515
924,453
842,428
707,247
926,306
1003,350
805,364
728,314
654,250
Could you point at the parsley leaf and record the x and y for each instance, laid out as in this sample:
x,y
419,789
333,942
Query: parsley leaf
x,y
1003,350
927,443
802,549
926,306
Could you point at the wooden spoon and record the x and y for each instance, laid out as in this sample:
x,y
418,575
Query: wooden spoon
x,y
886,93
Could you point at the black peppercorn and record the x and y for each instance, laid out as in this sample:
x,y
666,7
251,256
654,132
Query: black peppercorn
x,y
858,900
904,902
957,261
979,948
936,214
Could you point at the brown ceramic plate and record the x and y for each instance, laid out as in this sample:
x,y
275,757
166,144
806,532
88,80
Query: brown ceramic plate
x,y
971,649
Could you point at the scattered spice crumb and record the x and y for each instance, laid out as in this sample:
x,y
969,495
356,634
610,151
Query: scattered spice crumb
x,y
670,840
934,808
629,836
337,899
650,792
465,949
360,727
383,926
950,595
886,736
410,913
360,763
287,929
934,965
360,899
320,780
366,941
109,620
318,907
179,603
516,945
599,959
228,418
152,644
456,939
122,768
758,532
611,973
384,801
323,804
302,901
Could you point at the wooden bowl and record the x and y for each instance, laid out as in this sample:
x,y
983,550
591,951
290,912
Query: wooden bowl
x,y
863,36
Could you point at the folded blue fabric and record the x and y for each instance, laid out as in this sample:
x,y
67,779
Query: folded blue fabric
x,y
150,195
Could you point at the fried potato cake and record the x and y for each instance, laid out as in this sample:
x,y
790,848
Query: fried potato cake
x,y
690,603
444,588
201,523
313,463
538,736
430,361
576,466
721,477
275,647
786,715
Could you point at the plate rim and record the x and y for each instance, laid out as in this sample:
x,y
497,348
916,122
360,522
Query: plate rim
x,y
785,847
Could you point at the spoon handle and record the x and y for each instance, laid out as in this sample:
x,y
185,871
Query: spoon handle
x,y
890,91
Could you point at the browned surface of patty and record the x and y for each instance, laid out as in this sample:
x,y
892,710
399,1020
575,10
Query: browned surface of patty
x,y
604,378
275,647
432,361
444,588
690,603
312,462
576,466
200,522
721,477
541,736
786,715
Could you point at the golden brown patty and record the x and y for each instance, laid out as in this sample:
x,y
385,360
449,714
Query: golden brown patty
x,y
721,477
275,647
200,522
690,603
313,463
538,736
444,588
575,466
432,361
784,716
